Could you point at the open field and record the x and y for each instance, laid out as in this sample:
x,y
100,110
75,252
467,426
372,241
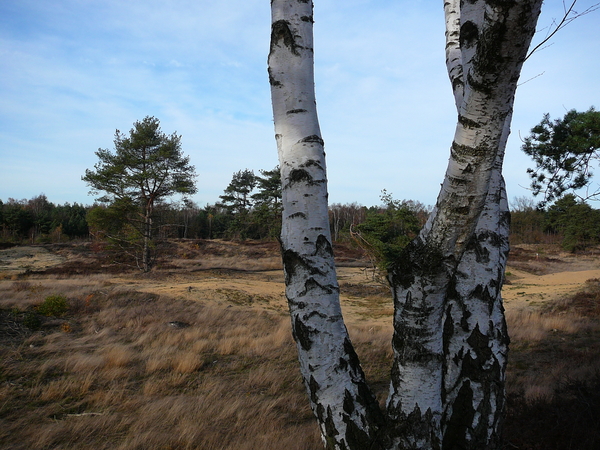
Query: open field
x,y
198,354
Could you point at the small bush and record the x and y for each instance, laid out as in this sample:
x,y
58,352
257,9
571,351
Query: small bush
x,y
54,306
32,321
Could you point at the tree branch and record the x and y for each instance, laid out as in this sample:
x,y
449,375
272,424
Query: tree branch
x,y
566,20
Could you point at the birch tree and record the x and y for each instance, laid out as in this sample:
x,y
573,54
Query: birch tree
x,y
450,340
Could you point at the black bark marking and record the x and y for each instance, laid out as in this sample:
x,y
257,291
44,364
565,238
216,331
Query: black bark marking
x,y
323,247
463,413
297,214
480,343
280,30
417,258
477,244
331,431
489,59
461,151
407,341
448,331
313,138
459,181
417,425
468,123
311,284
505,219
302,334
461,210
469,33
482,293
457,83
356,437
348,402
273,82
369,401
312,163
313,314
307,19
313,388
293,262
296,111
300,175
353,360
481,86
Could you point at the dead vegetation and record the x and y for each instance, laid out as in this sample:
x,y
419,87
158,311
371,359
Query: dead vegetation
x,y
122,376
553,377
131,366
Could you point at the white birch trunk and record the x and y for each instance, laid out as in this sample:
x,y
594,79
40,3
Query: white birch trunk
x,y
441,314
449,331
347,412
475,334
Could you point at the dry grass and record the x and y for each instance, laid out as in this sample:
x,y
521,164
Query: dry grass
x,y
558,342
553,376
132,370
124,378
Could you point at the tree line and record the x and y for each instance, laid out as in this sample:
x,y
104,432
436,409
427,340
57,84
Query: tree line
x,y
39,221
250,208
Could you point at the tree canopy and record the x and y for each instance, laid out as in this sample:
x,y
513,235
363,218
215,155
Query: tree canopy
x,y
564,152
146,167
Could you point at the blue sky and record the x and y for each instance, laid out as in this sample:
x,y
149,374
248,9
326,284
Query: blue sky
x,y
73,71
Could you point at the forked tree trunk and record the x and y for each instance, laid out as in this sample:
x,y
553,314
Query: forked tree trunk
x,y
450,341
448,324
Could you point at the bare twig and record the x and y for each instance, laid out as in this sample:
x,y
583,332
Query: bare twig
x,y
527,81
569,16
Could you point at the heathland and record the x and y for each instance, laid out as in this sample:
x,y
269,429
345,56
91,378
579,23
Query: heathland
x,y
197,354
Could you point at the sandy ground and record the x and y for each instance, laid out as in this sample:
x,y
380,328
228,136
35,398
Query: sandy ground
x,y
18,260
526,289
561,274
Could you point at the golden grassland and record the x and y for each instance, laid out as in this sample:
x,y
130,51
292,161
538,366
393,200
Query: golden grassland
x,y
199,355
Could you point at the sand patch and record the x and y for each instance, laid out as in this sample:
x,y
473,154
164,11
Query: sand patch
x,y
18,260
527,290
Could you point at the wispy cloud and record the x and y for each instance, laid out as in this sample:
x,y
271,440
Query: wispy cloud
x,y
72,72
